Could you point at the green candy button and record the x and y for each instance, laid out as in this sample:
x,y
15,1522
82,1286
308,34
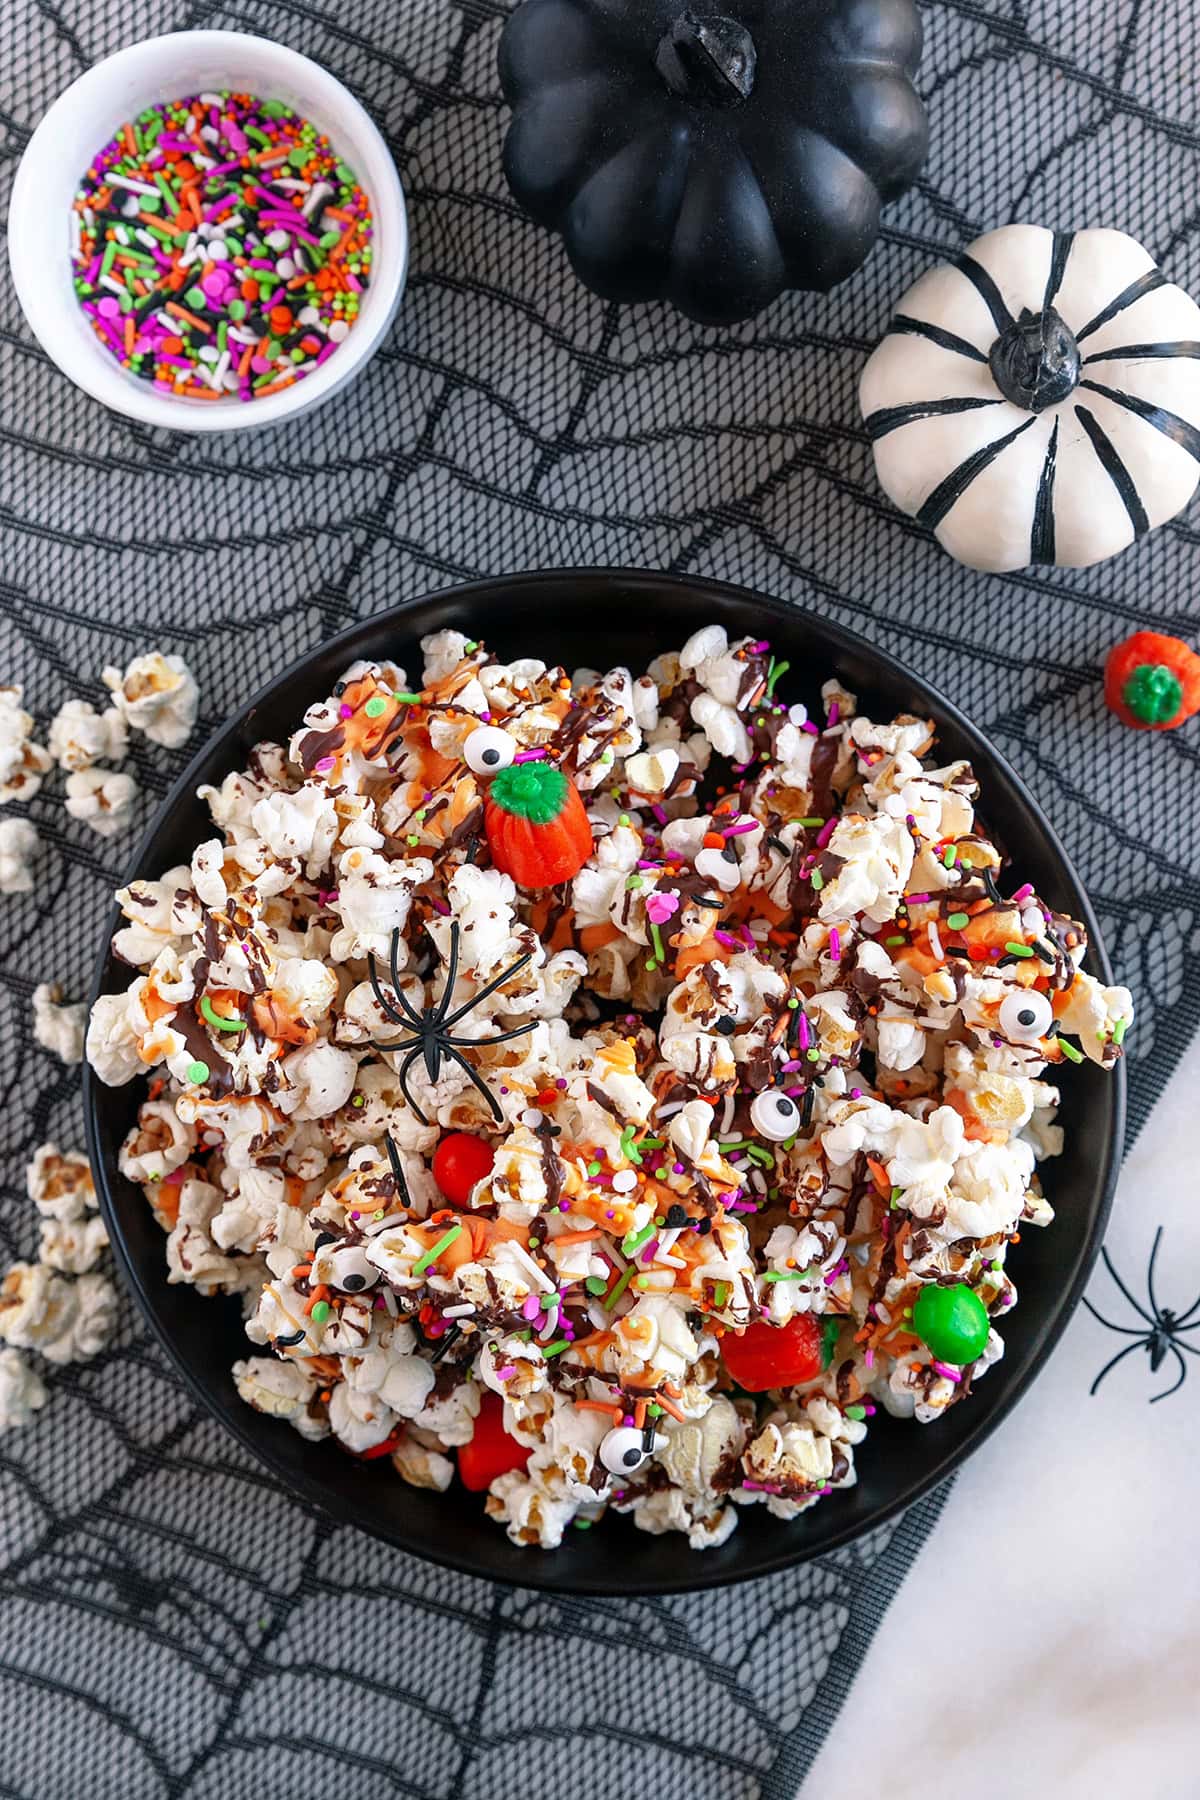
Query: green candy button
x,y
320,1312
198,1071
952,1323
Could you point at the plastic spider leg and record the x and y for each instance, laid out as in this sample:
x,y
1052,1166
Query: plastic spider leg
x,y
398,1175
405,1017
1181,1322
405,1066
1137,1306
394,967
451,977
501,1037
497,981
1119,1357
1124,1330
1175,1386
477,1079
1154,1306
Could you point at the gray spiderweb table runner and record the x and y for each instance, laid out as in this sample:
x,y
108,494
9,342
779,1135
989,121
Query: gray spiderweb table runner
x,y
173,1624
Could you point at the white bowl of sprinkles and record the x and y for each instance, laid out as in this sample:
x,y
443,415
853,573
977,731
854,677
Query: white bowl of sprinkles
x,y
89,113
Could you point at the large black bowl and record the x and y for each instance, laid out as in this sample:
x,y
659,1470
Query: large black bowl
x,y
597,618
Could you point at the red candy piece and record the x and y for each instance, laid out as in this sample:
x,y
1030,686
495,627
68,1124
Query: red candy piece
x,y
1152,682
459,1161
536,827
770,1356
491,1451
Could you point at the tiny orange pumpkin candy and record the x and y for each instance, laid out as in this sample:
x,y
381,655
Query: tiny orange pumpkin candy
x,y
1152,682
537,829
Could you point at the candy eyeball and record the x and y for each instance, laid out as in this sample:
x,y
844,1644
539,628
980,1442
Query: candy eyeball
x,y
350,1271
623,1450
775,1116
1025,1017
714,865
488,750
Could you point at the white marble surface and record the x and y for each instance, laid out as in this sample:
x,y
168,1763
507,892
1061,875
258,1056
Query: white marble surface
x,y
1047,1640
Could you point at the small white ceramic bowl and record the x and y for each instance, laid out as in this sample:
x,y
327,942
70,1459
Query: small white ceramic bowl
x,y
85,117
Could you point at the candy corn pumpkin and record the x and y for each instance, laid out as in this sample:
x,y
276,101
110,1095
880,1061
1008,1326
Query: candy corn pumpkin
x,y
536,827
1152,682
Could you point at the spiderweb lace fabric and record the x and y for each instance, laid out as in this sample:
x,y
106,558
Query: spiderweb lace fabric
x,y
174,1625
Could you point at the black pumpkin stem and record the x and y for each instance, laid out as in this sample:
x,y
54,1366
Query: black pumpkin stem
x,y
708,60
1035,361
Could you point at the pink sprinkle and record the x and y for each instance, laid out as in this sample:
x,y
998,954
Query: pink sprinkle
x,y
834,714
870,1411
677,1168
323,767
439,906
524,756
826,832
945,1369
507,1372
355,1215
916,899
793,1063
531,1306
762,644
723,937
648,1254
763,1487
1023,892
659,814
856,1093
739,830
174,1179
561,1084
346,712
802,1030
869,1359
793,1092
647,865
835,945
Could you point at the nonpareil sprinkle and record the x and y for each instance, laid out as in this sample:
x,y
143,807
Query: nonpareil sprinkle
x,y
221,248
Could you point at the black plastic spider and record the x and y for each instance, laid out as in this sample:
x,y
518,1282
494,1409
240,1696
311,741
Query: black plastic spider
x,y
433,1026
1162,1336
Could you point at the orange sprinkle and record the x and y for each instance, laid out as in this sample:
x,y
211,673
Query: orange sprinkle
x,y
274,387
575,1237
669,1406
180,312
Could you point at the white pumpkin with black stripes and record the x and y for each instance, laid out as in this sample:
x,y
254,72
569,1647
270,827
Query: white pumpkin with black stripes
x,y
1038,401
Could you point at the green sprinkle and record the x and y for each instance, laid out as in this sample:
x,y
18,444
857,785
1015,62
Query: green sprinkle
x,y
471,647
624,819
793,1004
358,1100
655,1410
656,939
810,823
950,857
412,838
813,1055
535,1243
644,1281
633,881
408,699
164,188
557,1347
593,1168
773,674
435,1250
624,1282
1018,949
273,109
857,1413
257,137
633,1243
595,1284
1070,1052
652,1143
320,1312
628,1148
818,880
215,1019
375,705
789,1275
329,239
198,1071
1119,1030
720,1292
583,1524
724,1146
896,938
346,173
958,921
760,1155
236,310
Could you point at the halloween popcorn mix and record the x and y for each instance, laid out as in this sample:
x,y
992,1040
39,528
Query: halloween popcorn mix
x,y
613,1087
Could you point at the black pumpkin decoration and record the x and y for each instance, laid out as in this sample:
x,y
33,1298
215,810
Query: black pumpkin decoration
x,y
712,158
